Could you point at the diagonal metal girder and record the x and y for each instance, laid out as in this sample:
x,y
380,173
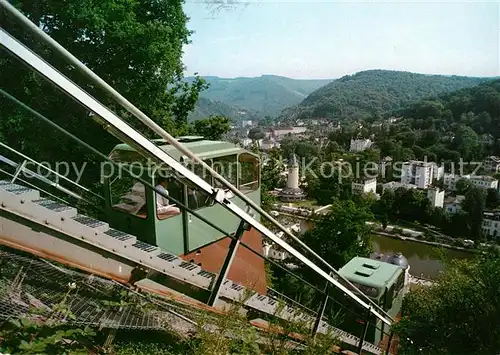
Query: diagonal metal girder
x,y
142,143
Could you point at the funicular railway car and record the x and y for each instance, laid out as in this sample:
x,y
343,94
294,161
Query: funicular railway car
x,y
138,210
384,279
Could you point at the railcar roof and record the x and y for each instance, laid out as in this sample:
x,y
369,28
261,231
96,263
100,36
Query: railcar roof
x,y
203,148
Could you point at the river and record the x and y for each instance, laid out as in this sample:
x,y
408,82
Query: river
x,y
424,259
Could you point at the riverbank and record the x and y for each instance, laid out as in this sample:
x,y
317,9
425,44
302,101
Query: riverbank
x,y
435,244
426,258
417,282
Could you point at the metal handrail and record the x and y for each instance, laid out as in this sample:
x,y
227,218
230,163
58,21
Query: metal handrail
x,y
12,150
37,176
36,187
120,129
128,134
184,207
163,134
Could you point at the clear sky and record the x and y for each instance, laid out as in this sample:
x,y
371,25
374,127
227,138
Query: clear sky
x,y
329,39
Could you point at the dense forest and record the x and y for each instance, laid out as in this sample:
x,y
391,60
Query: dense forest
x,y
462,124
372,92
207,107
143,63
266,95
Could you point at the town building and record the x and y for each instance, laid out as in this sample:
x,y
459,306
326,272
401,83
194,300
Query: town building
x,y
421,173
492,164
272,251
268,144
480,181
246,142
450,181
281,132
436,197
454,204
394,185
484,182
364,186
358,145
491,224
385,167
394,119
246,123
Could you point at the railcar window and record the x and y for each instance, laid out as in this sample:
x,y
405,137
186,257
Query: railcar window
x,y
165,207
390,296
399,284
197,198
128,195
227,167
369,291
248,179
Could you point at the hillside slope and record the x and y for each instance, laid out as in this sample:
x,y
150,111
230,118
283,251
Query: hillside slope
x,y
205,108
375,92
463,124
477,108
266,95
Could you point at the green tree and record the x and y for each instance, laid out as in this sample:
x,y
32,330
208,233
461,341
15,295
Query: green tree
x,y
256,133
325,188
492,199
212,128
466,142
341,234
456,224
474,206
384,208
267,121
305,149
337,237
463,185
136,46
412,205
460,314
271,179
272,166
429,138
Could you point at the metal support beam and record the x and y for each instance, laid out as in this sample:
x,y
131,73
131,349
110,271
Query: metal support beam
x,y
57,48
321,311
363,334
129,135
18,171
185,220
388,349
233,248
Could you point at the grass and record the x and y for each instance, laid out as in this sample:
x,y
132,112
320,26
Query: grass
x,y
306,203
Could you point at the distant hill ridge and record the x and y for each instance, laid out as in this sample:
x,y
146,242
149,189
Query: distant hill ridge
x,y
266,95
373,92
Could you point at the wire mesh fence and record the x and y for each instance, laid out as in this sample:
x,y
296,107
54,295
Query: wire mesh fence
x,y
28,284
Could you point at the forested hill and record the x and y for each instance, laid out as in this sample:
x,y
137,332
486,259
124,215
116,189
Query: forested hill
x,y
373,92
449,127
266,95
205,108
